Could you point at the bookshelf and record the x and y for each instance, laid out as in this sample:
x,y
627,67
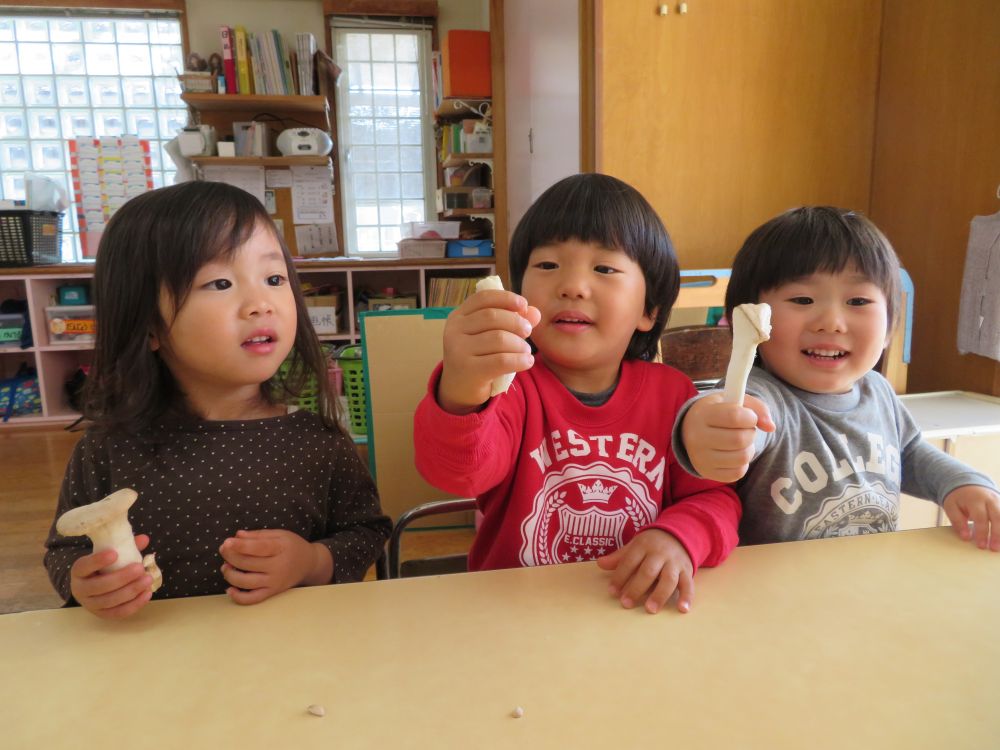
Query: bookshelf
x,y
465,177
280,112
56,362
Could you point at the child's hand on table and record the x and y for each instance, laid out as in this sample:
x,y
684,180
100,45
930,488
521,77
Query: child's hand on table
x,y
262,563
113,595
981,506
653,560
718,437
484,338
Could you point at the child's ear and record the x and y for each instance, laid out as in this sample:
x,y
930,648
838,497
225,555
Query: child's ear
x,y
648,320
154,342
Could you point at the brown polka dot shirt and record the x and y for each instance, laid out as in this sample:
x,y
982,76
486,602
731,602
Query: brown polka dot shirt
x,y
201,481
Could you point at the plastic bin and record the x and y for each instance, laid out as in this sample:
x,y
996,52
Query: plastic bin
x,y
71,324
29,238
352,364
11,327
469,248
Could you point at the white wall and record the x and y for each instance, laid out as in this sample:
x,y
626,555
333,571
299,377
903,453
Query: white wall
x,y
542,80
290,16
463,14
287,16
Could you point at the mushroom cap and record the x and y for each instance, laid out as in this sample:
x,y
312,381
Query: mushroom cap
x,y
759,318
82,520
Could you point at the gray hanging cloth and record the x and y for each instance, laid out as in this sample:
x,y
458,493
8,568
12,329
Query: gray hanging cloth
x,y
979,310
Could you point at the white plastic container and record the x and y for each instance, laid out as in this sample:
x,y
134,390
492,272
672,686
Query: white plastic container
x,y
429,230
71,324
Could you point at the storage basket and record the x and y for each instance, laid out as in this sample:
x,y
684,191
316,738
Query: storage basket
x,y
30,238
308,400
352,364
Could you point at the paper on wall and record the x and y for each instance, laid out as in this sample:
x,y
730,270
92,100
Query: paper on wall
x,y
278,178
317,239
250,179
312,195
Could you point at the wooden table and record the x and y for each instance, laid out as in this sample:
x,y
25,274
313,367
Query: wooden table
x,y
887,641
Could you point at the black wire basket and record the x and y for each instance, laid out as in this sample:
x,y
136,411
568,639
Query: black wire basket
x,y
30,238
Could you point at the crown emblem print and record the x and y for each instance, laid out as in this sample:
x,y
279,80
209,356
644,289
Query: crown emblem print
x,y
596,493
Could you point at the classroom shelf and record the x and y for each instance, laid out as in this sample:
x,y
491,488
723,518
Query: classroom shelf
x,y
55,363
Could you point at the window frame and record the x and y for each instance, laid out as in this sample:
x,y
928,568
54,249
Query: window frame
x,y
115,9
425,40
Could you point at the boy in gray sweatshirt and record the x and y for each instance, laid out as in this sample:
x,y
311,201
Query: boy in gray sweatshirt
x,y
822,446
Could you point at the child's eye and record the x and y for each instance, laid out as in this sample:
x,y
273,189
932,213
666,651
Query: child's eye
x,y
546,265
276,280
858,301
800,300
219,284
607,270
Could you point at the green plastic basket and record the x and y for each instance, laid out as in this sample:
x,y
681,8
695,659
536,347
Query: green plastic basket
x,y
308,400
352,363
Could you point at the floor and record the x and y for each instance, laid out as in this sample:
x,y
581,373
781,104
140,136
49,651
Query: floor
x,y
31,470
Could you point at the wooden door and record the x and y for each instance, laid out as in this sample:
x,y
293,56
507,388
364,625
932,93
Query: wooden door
x,y
937,165
726,115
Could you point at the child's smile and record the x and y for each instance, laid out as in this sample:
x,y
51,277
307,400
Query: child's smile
x,y
827,330
261,342
592,300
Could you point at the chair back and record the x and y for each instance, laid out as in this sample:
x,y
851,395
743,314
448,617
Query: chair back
x,y
700,352
401,349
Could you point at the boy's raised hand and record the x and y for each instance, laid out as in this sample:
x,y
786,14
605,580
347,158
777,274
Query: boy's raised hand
x,y
484,338
718,437
980,506
653,563
264,562
113,595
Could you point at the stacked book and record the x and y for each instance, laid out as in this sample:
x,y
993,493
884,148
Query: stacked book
x,y
305,53
449,292
261,63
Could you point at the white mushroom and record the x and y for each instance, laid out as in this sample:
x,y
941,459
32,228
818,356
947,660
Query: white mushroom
x,y
751,326
517,713
316,710
501,383
106,523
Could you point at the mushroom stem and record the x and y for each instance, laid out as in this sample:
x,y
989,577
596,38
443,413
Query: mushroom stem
x,y
751,326
500,383
106,523
119,537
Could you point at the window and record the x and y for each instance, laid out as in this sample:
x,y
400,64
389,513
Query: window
x,y
69,76
385,133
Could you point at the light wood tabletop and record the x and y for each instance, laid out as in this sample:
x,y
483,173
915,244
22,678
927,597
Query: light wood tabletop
x,y
885,641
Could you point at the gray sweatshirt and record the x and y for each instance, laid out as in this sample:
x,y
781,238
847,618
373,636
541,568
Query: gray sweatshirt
x,y
836,463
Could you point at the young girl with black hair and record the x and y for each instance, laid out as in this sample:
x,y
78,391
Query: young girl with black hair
x,y
198,305
573,462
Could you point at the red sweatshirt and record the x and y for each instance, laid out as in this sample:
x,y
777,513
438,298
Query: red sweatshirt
x,y
558,481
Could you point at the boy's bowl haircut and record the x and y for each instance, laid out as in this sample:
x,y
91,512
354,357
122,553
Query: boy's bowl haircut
x,y
814,239
604,210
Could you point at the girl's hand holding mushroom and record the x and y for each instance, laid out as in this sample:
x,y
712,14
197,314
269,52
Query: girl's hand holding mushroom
x,y
261,563
115,594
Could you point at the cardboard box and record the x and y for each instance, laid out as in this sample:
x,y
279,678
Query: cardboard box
x,y
323,312
465,63
402,302
469,249
324,319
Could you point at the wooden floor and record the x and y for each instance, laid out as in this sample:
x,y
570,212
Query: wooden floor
x,y
31,469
